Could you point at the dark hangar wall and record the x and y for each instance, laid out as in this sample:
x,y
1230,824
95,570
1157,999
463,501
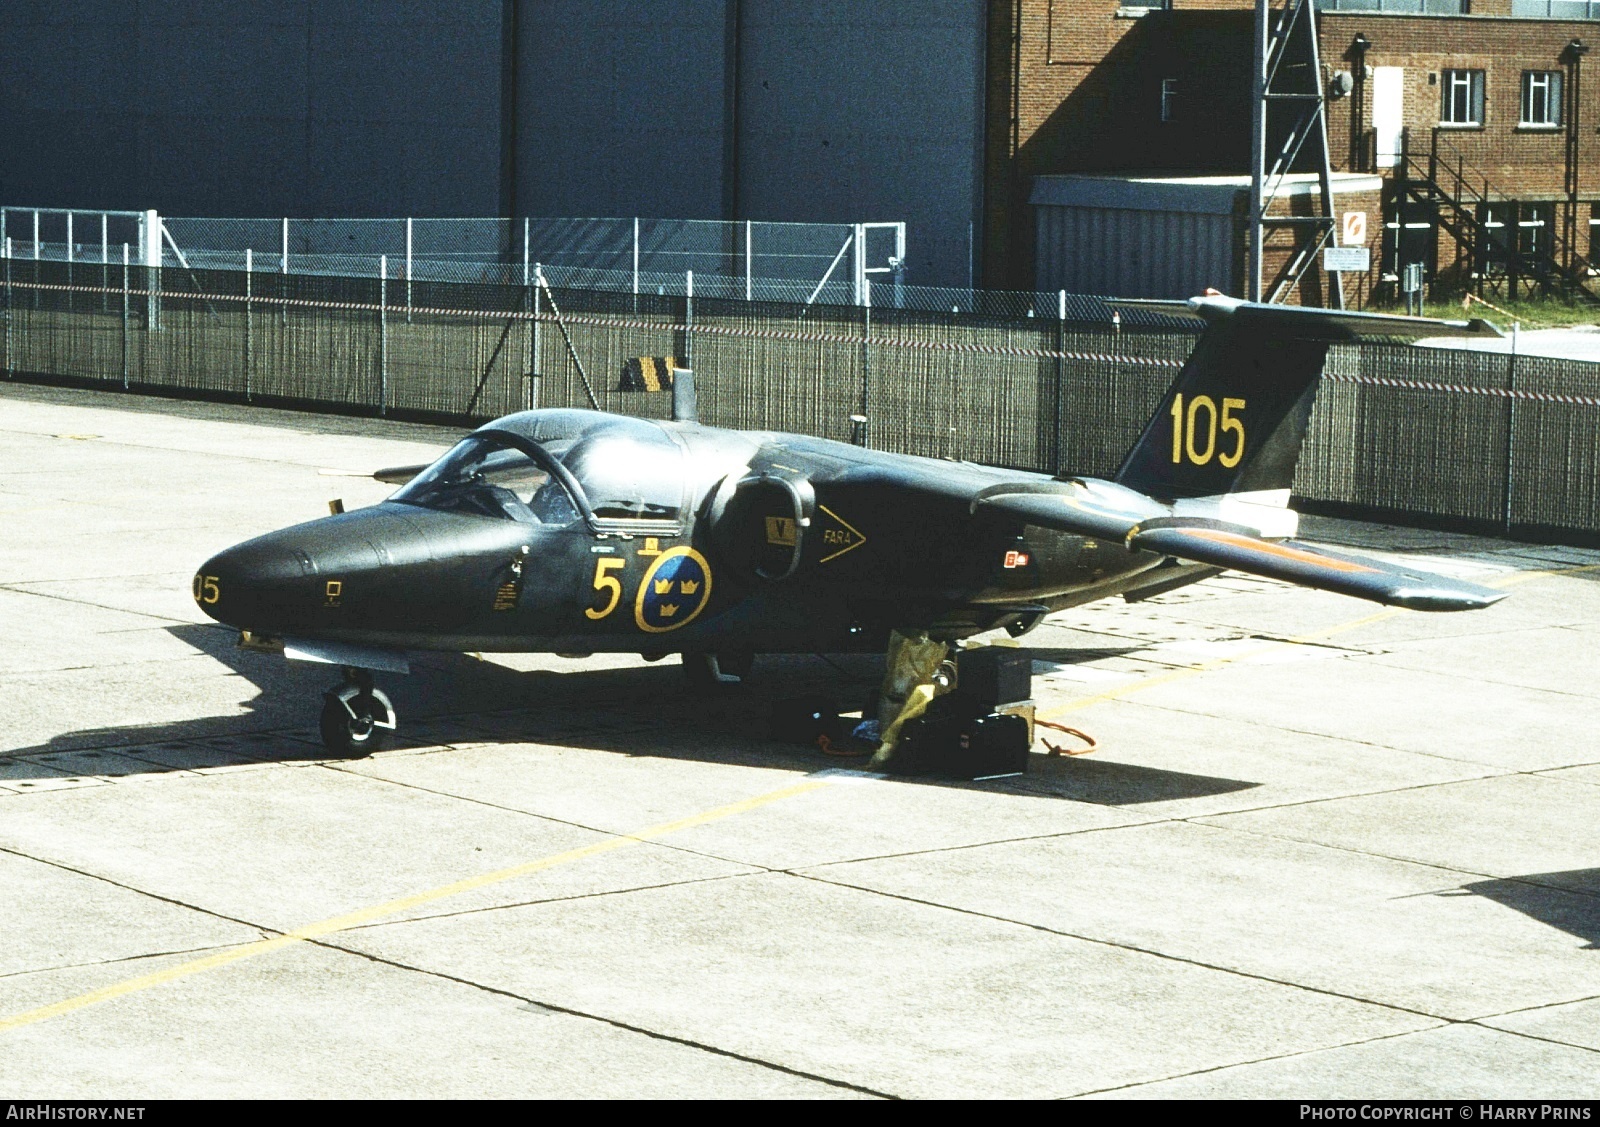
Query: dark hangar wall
x,y
866,111
270,107
826,111
621,108
820,111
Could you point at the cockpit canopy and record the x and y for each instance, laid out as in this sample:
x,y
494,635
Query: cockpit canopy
x,y
557,467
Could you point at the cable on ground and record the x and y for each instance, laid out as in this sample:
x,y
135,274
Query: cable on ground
x,y
1090,743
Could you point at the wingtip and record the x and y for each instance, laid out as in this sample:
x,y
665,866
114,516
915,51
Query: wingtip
x,y
1464,597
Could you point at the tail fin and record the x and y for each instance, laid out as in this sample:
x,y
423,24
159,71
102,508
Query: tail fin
x,y
1234,419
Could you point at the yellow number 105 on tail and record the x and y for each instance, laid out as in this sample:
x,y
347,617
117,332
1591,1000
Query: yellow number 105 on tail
x,y
1188,427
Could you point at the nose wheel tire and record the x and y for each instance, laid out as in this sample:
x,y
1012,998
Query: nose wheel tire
x,y
357,719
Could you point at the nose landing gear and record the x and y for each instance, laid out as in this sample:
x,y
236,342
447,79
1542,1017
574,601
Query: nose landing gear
x,y
357,718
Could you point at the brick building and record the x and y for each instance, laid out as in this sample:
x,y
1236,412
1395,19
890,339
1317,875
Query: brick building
x,y
1473,113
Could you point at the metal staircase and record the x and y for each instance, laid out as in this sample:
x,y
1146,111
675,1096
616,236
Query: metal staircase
x,y
1461,198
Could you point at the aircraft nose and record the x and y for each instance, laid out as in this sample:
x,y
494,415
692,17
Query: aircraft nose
x,y
231,586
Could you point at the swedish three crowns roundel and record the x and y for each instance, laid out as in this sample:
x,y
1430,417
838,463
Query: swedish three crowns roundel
x,y
675,589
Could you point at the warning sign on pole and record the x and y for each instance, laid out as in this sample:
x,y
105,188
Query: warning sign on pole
x,y
1353,231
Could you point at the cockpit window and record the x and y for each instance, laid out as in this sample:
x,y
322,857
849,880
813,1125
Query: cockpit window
x,y
622,469
485,477
627,475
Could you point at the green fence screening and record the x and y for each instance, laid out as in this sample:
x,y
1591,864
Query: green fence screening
x,y
1481,439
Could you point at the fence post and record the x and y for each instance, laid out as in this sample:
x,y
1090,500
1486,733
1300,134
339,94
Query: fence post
x,y
532,393
8,306
635,256
1061,382
105,259
152,270
747,267
858,248
688,319
1511,425
283,269
249,267
124,316
408,270
383,335
866,355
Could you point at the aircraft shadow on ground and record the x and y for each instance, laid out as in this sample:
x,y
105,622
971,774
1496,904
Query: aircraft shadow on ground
x,y
649,710
1569,901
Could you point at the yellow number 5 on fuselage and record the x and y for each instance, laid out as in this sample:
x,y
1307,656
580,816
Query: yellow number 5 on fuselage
x,y
610,584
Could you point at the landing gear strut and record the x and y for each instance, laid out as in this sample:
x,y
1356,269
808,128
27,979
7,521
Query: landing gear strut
x,y
357,718
708,670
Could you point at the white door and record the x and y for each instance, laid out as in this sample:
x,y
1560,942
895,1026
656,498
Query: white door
x,y
1388,112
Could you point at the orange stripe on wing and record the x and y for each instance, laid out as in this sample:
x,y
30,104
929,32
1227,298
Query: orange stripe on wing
x,y
1282,552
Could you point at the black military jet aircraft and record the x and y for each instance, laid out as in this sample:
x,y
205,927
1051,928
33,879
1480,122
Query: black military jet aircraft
x,y
572,531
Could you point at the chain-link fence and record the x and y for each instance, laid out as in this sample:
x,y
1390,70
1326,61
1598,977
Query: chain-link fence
x,y
1484,439
828,262
804,263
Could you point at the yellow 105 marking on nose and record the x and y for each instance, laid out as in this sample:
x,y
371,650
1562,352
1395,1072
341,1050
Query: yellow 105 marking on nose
x,y
206,589
1188,431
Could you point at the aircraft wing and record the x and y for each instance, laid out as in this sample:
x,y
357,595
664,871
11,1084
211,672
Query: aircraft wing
x,y
1115,514
1365,578
399,475
1100,509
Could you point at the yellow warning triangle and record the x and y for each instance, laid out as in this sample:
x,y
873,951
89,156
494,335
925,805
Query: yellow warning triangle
x,y
838,537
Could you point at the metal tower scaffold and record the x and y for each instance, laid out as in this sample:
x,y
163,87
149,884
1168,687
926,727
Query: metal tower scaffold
x,y
1288,110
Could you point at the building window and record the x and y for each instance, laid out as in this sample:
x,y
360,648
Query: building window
x,y
1463,97
1414,7
1494,248
1535,225
1169,98
1541,97
1525,228
1556,9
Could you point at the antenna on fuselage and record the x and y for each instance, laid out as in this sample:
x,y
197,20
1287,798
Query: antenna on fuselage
x,y
684,409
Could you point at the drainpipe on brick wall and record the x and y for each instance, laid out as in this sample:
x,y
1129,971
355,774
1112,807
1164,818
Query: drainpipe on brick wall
x,y
1574,56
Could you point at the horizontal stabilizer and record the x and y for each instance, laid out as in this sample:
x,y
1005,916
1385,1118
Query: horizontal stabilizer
x,y
1379,581
1306,323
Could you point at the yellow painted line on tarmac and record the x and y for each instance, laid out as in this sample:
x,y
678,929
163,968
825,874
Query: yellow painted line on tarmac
x,y
1155,680
391,907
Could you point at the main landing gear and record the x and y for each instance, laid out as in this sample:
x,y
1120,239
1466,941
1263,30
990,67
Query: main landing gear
x,y
357,718
706,671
